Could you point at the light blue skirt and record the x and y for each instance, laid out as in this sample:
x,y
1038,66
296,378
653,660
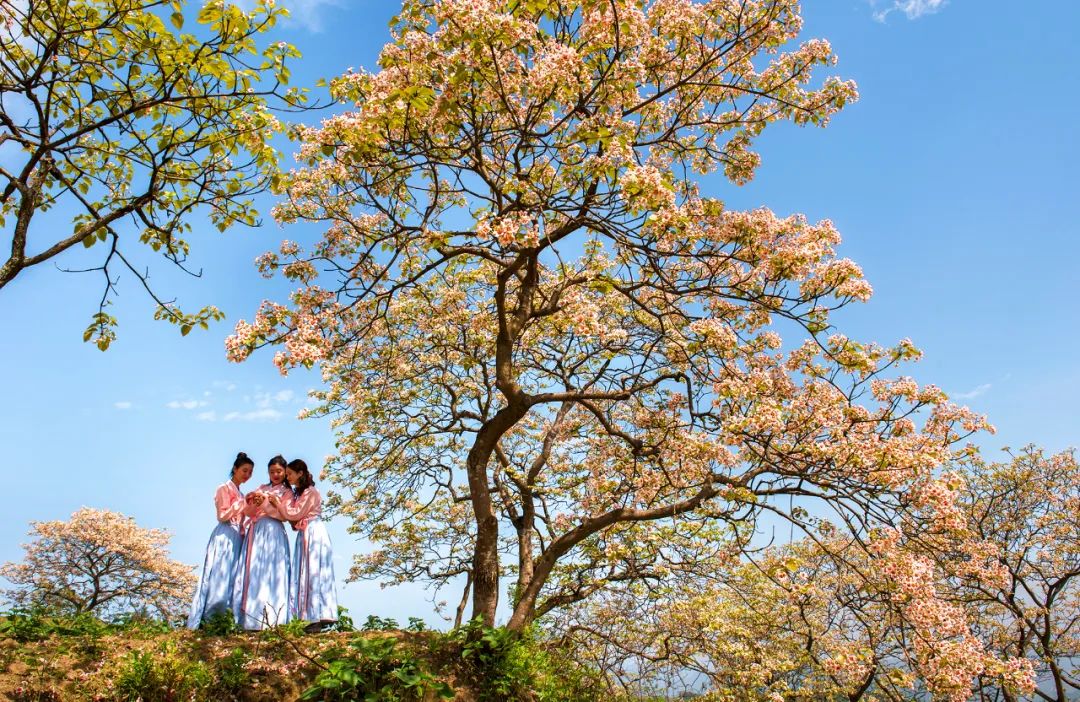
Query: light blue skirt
x,y
261,597
314,594
215,590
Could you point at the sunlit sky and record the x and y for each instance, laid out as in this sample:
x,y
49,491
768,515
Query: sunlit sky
x,y
953,180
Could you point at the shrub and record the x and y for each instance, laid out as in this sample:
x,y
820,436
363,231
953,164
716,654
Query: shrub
x,y
231,673
164,675
374,623
38,623
502,666
374,669
219,624
142,625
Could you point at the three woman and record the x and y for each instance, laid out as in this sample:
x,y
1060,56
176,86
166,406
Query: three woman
x,y
248,572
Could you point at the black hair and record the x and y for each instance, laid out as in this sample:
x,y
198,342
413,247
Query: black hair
x,y
297,465
278,460
241,460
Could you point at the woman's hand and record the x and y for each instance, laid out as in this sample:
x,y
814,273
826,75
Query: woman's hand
x,y
273,500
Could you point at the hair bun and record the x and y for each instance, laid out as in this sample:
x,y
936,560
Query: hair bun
x,y
241,455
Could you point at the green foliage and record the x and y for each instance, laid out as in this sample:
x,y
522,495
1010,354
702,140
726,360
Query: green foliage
x,y
133,126
140,624
38,623
375,623
231,674
219,624
344,622
27,624
289,631
502,665
374,669
163,675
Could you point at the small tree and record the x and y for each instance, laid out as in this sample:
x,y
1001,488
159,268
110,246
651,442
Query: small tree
x,y
122,123
100,562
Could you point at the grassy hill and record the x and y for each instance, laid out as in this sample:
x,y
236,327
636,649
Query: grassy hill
x,y
81,659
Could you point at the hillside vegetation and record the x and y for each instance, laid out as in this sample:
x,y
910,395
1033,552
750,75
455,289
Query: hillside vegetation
x,y
83,659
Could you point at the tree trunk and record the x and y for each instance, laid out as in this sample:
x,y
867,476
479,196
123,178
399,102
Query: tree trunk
x,y
460,613
525,608
486,551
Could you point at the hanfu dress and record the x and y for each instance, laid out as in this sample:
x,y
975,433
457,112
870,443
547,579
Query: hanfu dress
x,y
215,590
314,594
261,597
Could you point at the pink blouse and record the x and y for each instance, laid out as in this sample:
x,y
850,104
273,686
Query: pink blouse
x,y
303,509
266,509
230,505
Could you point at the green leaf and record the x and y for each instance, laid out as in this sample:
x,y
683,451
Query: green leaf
x,y
177,19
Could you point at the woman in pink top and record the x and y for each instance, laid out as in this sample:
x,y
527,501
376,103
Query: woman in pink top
x,y
261,597
215,590
314,594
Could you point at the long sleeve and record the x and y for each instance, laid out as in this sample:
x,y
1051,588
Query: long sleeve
x,y
229,504
307,506
284,494
266,509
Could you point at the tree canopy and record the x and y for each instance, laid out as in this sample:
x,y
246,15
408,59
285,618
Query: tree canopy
x,y
131,127
554,361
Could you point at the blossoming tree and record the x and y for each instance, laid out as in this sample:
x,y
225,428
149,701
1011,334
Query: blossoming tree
x,y
549,356
130,126
983,591
1027,511
100,562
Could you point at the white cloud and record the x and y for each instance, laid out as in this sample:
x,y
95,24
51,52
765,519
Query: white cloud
x,y
913,9
224,385
261,406
122,405
185,404
264,400
259,415
971,394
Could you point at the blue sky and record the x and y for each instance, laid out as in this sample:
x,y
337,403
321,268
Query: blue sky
x,y
953,181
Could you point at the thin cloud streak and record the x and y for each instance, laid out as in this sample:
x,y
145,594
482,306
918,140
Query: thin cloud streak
x,y
259,415
185,404
912,9
971,394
